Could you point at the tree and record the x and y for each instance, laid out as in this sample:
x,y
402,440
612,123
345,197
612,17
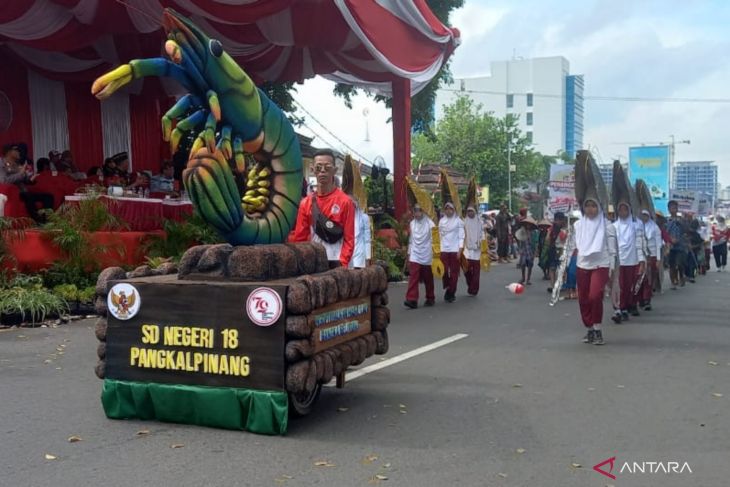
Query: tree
x,y
477,143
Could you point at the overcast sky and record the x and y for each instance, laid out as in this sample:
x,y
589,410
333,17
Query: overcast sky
x,y
647,48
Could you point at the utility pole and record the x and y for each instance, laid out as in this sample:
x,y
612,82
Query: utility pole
x,y
509,171
671,158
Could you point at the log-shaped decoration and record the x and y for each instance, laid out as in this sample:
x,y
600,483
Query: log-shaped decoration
x,y
381,279
296,376
100,329
319,362
356,352
284,261
363,349
99,369
320,253
331,294
329,367
380,299
381,318
372,344
347,353
214,261
108,274
343,281
381,337
306,256
141,271
101,350
311,382
166,268
298,326
337,365
355,282
189,261
298,298
297,350
249,263
100,306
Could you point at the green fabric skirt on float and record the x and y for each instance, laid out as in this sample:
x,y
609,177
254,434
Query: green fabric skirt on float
x,y
263,412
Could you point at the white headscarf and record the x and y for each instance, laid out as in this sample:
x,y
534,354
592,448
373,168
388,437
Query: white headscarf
x,y
590,234
473,229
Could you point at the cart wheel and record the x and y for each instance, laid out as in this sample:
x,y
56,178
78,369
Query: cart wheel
x,y
302,404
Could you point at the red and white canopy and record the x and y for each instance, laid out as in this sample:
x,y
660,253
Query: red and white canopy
x,y
362,42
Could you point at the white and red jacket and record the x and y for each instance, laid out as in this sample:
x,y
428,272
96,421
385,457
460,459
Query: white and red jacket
x,y
339,208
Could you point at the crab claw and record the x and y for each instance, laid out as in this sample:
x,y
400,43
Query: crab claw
x,y
107,84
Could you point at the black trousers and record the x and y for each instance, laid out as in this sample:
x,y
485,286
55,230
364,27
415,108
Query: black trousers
x,y
720,253
31,201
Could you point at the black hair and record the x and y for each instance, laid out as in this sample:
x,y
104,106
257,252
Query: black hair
x,y
92,171
672,202
559,215
42,164
325,152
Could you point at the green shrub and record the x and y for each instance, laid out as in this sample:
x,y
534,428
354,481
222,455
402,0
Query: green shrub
x,y
179,237
31,304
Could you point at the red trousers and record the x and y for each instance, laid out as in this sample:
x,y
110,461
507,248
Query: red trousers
x,y
628,274
591,285
451,271
472,273
646,291
419,273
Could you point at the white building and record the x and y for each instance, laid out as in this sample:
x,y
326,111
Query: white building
x,y
541,91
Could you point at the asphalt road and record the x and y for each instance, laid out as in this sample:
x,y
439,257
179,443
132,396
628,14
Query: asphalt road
x,y
518,402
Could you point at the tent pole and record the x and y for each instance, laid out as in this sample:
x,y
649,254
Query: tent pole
x,y
401,142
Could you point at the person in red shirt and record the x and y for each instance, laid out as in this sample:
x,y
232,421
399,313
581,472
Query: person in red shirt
x,y
334,205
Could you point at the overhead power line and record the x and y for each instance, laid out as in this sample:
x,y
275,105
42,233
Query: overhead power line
x,y
344,144
600,98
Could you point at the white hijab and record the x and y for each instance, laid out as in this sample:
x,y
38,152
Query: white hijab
x,y
473,229
590,234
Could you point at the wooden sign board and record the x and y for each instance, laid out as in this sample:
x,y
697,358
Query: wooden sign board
x,y
340,322
200,333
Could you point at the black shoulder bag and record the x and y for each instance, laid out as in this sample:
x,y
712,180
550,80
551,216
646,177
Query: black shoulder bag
x,y
325,228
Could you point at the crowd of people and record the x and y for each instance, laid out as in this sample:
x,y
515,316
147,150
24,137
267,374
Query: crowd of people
x,y
43,184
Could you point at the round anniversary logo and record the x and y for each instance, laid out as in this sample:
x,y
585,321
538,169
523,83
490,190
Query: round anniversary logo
x,y
123,301
264,306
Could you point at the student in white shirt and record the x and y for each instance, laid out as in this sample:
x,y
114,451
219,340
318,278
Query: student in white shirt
x,y
595,241
472,250
420,258
653,247
451,233
631,260
362,254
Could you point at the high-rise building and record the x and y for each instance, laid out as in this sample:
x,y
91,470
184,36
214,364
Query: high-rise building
x,y
697,176
541,91
607,173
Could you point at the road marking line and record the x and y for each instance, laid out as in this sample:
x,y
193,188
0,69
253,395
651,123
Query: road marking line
x,y
399,358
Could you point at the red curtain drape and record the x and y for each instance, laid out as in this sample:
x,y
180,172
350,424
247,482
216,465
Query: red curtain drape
x,y
145,112
14,83
84,126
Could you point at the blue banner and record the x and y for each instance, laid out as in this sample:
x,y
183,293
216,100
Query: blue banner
x,y
651,163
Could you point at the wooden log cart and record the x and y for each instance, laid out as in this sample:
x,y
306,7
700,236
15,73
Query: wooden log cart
x,y
241,331
236,337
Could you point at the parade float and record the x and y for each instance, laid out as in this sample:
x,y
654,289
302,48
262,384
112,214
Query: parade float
x,y
237,335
